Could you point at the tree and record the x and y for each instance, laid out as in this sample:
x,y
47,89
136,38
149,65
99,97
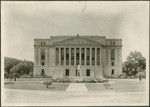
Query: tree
x,y
48,82
14,72
134,61
13,66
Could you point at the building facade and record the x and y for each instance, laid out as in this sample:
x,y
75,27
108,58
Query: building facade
x,y
59,56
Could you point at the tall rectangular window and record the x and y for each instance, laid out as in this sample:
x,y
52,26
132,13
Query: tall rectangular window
x,y
112,63
72,56
42,54
112,71
67,72
76,72
88,72
42,63
112,54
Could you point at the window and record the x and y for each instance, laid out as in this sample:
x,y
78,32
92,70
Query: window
x,y
42,43
112,71
88,72
42,63
88,57
82,56
67,72
42,73
76,72
42,54
112,54
72,57
112,58
77,57
113,43
43,57
112,63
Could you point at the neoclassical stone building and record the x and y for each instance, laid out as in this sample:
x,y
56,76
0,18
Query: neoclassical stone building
x,y
60,55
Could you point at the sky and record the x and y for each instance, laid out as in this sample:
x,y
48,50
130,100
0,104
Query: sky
x,y
22,22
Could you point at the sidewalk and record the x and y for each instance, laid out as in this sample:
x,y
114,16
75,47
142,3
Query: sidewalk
x,y
76,87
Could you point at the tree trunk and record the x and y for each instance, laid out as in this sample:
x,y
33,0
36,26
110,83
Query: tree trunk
x,y
47,86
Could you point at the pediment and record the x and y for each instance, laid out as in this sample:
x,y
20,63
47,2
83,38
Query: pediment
x,y
77,41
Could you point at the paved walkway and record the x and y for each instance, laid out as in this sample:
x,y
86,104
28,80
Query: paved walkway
x,y
77,87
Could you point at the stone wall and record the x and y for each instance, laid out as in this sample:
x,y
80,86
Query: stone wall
x,y
59,71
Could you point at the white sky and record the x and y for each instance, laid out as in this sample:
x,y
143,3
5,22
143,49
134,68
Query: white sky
x,y
24,21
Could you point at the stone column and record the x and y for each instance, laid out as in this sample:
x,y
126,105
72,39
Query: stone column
x,y
46,57
80,56
85,56
39,62
116,59
108,57
90,56
74,56
64,56
95,56
59,56
100,56
69,56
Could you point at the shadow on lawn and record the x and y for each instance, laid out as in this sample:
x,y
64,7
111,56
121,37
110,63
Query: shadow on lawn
x,y
52,87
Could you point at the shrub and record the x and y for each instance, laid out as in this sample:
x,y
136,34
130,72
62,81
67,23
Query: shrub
x,y
47,82
106,84
72,80
89,80
64,80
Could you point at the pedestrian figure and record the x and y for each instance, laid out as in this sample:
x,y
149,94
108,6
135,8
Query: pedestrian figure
x,y
140,77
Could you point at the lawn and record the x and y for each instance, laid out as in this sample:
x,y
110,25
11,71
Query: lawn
x,y
37,85
28,79
119,85
116,85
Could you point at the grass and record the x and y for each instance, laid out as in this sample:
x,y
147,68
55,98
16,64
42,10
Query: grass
x,y
116,85
119,85
36,86
29,79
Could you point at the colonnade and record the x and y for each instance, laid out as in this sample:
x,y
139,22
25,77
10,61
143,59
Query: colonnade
x,y
78,56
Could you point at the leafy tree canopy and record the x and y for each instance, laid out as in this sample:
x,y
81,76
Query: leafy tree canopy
x,y
17,67
134,64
